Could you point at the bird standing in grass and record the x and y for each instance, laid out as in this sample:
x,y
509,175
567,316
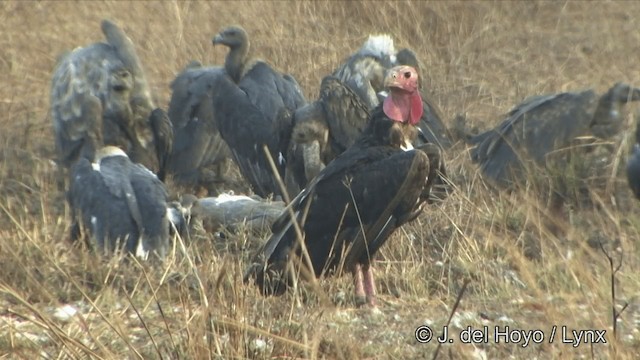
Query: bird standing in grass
x,y
120,205
254,107
100,96
350,209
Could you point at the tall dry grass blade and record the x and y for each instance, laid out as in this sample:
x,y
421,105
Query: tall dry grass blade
x,y
453,311
298,229
144,324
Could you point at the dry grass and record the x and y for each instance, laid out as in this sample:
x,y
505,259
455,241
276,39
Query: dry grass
x,y
481,58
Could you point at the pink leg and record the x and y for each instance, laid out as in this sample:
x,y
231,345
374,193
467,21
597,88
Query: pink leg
x,y
360,290
370,286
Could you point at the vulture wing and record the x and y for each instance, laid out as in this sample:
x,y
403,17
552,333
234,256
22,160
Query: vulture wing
x,y
346,114
343,211
431,129
197,140
79,88
246,129
102,206
270,91
151,196
532,130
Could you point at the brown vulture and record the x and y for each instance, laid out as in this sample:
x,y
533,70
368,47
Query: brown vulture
x,y
256,113
120,205
99,96
354,204
633,165
328,126
364,71
543,124
200,155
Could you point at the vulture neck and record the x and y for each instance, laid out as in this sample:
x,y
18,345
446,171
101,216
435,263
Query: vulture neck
x,y
403,106
236,61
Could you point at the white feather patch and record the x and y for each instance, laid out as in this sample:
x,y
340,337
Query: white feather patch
x,y
225,198
95,166
140,251
173,216
94,224
378,46
407,146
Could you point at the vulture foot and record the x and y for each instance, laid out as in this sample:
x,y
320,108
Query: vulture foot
x,y
365,286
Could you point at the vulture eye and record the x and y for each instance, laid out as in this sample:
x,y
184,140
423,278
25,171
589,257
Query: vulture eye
x,y
407,75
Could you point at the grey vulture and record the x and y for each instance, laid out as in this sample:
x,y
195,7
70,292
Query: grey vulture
x,y
522,143
100,96
119,205
200,155
258,111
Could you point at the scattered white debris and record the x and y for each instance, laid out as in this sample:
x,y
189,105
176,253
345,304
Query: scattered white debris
x,y
65,313
506,319
260,346
439,263
343,316
479,354
397,317
463,319
39,339
376,312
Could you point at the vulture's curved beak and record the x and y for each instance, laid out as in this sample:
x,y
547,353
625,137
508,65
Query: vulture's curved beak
x,y
218,39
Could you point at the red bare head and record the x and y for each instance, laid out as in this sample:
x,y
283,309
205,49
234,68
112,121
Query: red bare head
x,y
404,103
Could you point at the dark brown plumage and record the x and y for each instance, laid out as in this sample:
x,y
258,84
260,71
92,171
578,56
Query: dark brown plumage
x,y
270,97
353,205
328,126
200,156
519,146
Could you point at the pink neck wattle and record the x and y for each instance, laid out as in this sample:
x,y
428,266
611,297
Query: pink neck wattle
x,y
403,106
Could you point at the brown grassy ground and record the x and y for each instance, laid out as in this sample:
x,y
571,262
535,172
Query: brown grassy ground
x,y
481,58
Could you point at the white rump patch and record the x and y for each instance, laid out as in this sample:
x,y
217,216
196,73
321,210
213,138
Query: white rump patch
x,y
95,166
94,224
65,313
378,46
225,198
407,146
174,216
140,251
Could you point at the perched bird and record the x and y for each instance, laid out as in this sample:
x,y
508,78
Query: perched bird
x,y
200,155
633,165
259,110
120,205
543,124
100,96
354,204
